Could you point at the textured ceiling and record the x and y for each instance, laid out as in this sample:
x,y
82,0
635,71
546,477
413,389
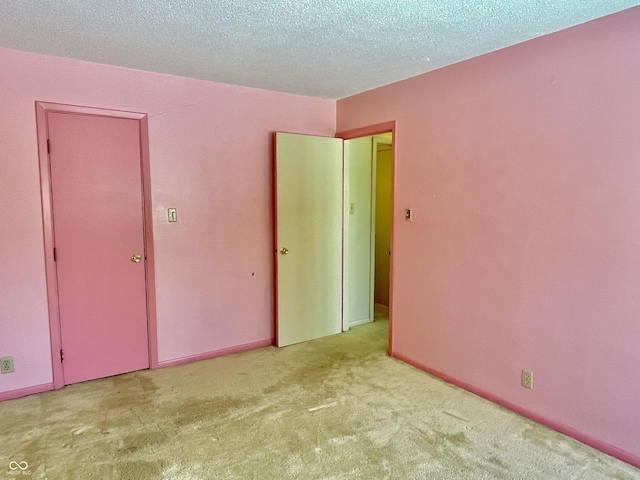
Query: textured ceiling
x,y
323,48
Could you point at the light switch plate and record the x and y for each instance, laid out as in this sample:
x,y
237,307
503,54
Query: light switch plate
x,y
352,208
408,214
173,214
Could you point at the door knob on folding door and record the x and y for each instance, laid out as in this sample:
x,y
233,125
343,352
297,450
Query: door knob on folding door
x,y
136,258
284,251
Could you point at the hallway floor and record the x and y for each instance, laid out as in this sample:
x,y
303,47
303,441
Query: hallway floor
x,y
336,408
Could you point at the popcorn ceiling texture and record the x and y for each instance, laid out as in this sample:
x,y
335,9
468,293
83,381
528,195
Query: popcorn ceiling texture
x,y
328,48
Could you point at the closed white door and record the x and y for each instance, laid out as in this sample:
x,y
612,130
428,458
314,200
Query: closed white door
x,y
309,183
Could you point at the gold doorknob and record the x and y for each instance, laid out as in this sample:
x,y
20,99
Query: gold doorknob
x,y
135,258
284,251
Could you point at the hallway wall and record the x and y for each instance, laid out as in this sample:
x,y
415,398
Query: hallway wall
x,y
384,177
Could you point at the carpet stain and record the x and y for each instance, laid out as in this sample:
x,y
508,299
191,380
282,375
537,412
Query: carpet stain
x,y
133,443
496,461
458,439
148,385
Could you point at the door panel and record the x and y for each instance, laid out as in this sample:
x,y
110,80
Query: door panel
x,y
309,225
98,226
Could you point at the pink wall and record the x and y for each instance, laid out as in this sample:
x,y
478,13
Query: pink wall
x,y
523,171
210,150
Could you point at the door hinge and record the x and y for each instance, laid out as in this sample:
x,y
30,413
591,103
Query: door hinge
x,y
61,356
55,254
48,146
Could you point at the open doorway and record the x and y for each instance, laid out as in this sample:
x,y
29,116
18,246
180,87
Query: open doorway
x,y
382,177
368,198
308,170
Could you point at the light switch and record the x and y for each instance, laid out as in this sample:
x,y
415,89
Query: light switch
x,y
352,208
408,214
173,214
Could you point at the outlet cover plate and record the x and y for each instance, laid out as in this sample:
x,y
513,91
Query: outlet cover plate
x,y
6,365
527,379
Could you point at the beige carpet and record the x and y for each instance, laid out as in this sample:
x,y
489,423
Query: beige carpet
x,y
335,408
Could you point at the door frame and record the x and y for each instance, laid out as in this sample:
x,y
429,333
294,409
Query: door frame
x,y
372,130
348,235
42,109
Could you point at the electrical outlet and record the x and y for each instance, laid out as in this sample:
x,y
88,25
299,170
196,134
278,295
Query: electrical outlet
x,y
6,365
527,379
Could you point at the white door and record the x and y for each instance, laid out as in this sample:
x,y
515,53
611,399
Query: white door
x,y
308,182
